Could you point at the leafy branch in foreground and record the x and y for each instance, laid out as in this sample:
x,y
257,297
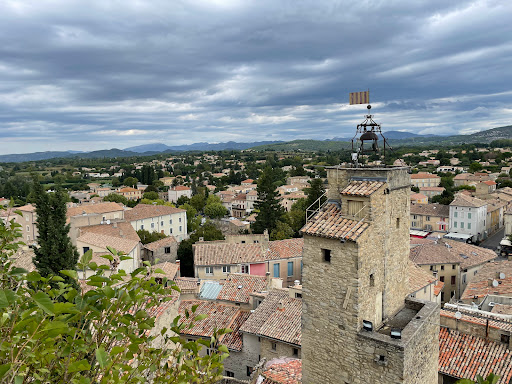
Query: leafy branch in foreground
x,y
52,332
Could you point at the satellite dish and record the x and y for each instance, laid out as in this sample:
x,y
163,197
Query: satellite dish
x,y
458,315
502,275
495,283
108,221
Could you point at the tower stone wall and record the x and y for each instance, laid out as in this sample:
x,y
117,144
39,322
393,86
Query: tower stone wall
x,y
365,279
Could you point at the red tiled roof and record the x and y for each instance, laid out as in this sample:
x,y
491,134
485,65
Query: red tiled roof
x,y
233,340
238,287
277,317
489,182
424,176
143,211
218,316
483,320
466,356
165,242
121,229
224,253
362,188
329,223
170,270
283,373
462,200
284,249
438,288
418,278
96,208
479,284
180,188
187,284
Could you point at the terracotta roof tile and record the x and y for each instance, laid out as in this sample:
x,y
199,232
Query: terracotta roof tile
x,y
233,340
362,188
424,176
187,284
284,249
277,317
206,253
170,270
165,242
466,356
502,309
120,244
418,278
462,200
479,284
239,286
96,208
433,210
121,229
489,320
456,252
331,224
143,211
283,373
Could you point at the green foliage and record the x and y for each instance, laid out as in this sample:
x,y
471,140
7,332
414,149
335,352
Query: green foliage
x,y
490,379
281,231
270,211
315,192
55,251
198,202
215,210
130,182
52,332
114,197
297,216
475,167
182,200
148,237
193,220
150,195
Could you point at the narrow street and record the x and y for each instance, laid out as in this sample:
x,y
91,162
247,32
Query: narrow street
x,y
493,241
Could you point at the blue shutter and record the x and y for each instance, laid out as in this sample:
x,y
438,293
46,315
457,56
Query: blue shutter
x,y
276,270
290,268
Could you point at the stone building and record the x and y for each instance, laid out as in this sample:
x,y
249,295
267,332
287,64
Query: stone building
x,y
430,217
357,325
27,220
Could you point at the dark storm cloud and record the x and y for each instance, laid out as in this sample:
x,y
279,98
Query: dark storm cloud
x,y
99,74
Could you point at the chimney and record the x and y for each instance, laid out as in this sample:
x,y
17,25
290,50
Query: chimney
x,y
489,281
201,239
296,283
121,233
269,280
281,306
115,224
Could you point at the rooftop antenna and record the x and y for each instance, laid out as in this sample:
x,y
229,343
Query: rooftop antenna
x,y
367,132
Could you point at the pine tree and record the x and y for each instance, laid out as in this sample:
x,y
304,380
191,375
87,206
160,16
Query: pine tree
x,y
270,211
314,192
55,252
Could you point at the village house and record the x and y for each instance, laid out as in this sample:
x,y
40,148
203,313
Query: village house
x,y
453,262
424,179
470,179
282,259
159,218
430,217
178,191
430,192
423,285
27,221
164,250
418,198
495,215
494,278
468,215
292,180
484,188
130,193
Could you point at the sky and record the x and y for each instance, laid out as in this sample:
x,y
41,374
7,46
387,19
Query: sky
x,y
89,75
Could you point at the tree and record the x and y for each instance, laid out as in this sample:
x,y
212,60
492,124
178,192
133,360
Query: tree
x,y
198,202
131,181
147,237
182,200
150,195
193,221
270,211
114,197
53,332
215,210
475,167
297,216
315,192
282,231
55,251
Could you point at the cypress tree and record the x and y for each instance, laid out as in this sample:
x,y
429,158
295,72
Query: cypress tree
x,y
55,252
270,211
314,192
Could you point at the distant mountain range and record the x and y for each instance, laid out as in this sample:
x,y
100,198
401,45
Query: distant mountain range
x,y
158,147
396,138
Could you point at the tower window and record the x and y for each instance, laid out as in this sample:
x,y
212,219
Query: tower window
x,y
372,280
326,255
398,222
274,346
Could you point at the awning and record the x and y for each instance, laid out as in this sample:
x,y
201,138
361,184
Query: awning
x,y
416,233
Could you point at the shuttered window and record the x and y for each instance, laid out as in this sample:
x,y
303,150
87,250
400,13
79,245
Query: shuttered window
x,y
355,208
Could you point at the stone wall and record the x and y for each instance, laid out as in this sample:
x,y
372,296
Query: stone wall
x,y
249,356
282,349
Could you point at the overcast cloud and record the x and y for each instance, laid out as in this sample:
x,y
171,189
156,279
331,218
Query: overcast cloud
x,y
87,75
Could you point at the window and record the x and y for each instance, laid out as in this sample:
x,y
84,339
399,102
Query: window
x,y
462,225
170,221
249,370
453,266
276,270
505,338
180,228
431,267
142,226
442,296
85,249
167,249
208,270
298,295
226,269
415,217
442,267
463,279
469,215
170,231
274,346
152,225
179,220
245,269
469,225
162,223
230,374
326,255
454,224
441,278
453,280
372,280
398,222
290,268
295,352
428,218
454,214
28,228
